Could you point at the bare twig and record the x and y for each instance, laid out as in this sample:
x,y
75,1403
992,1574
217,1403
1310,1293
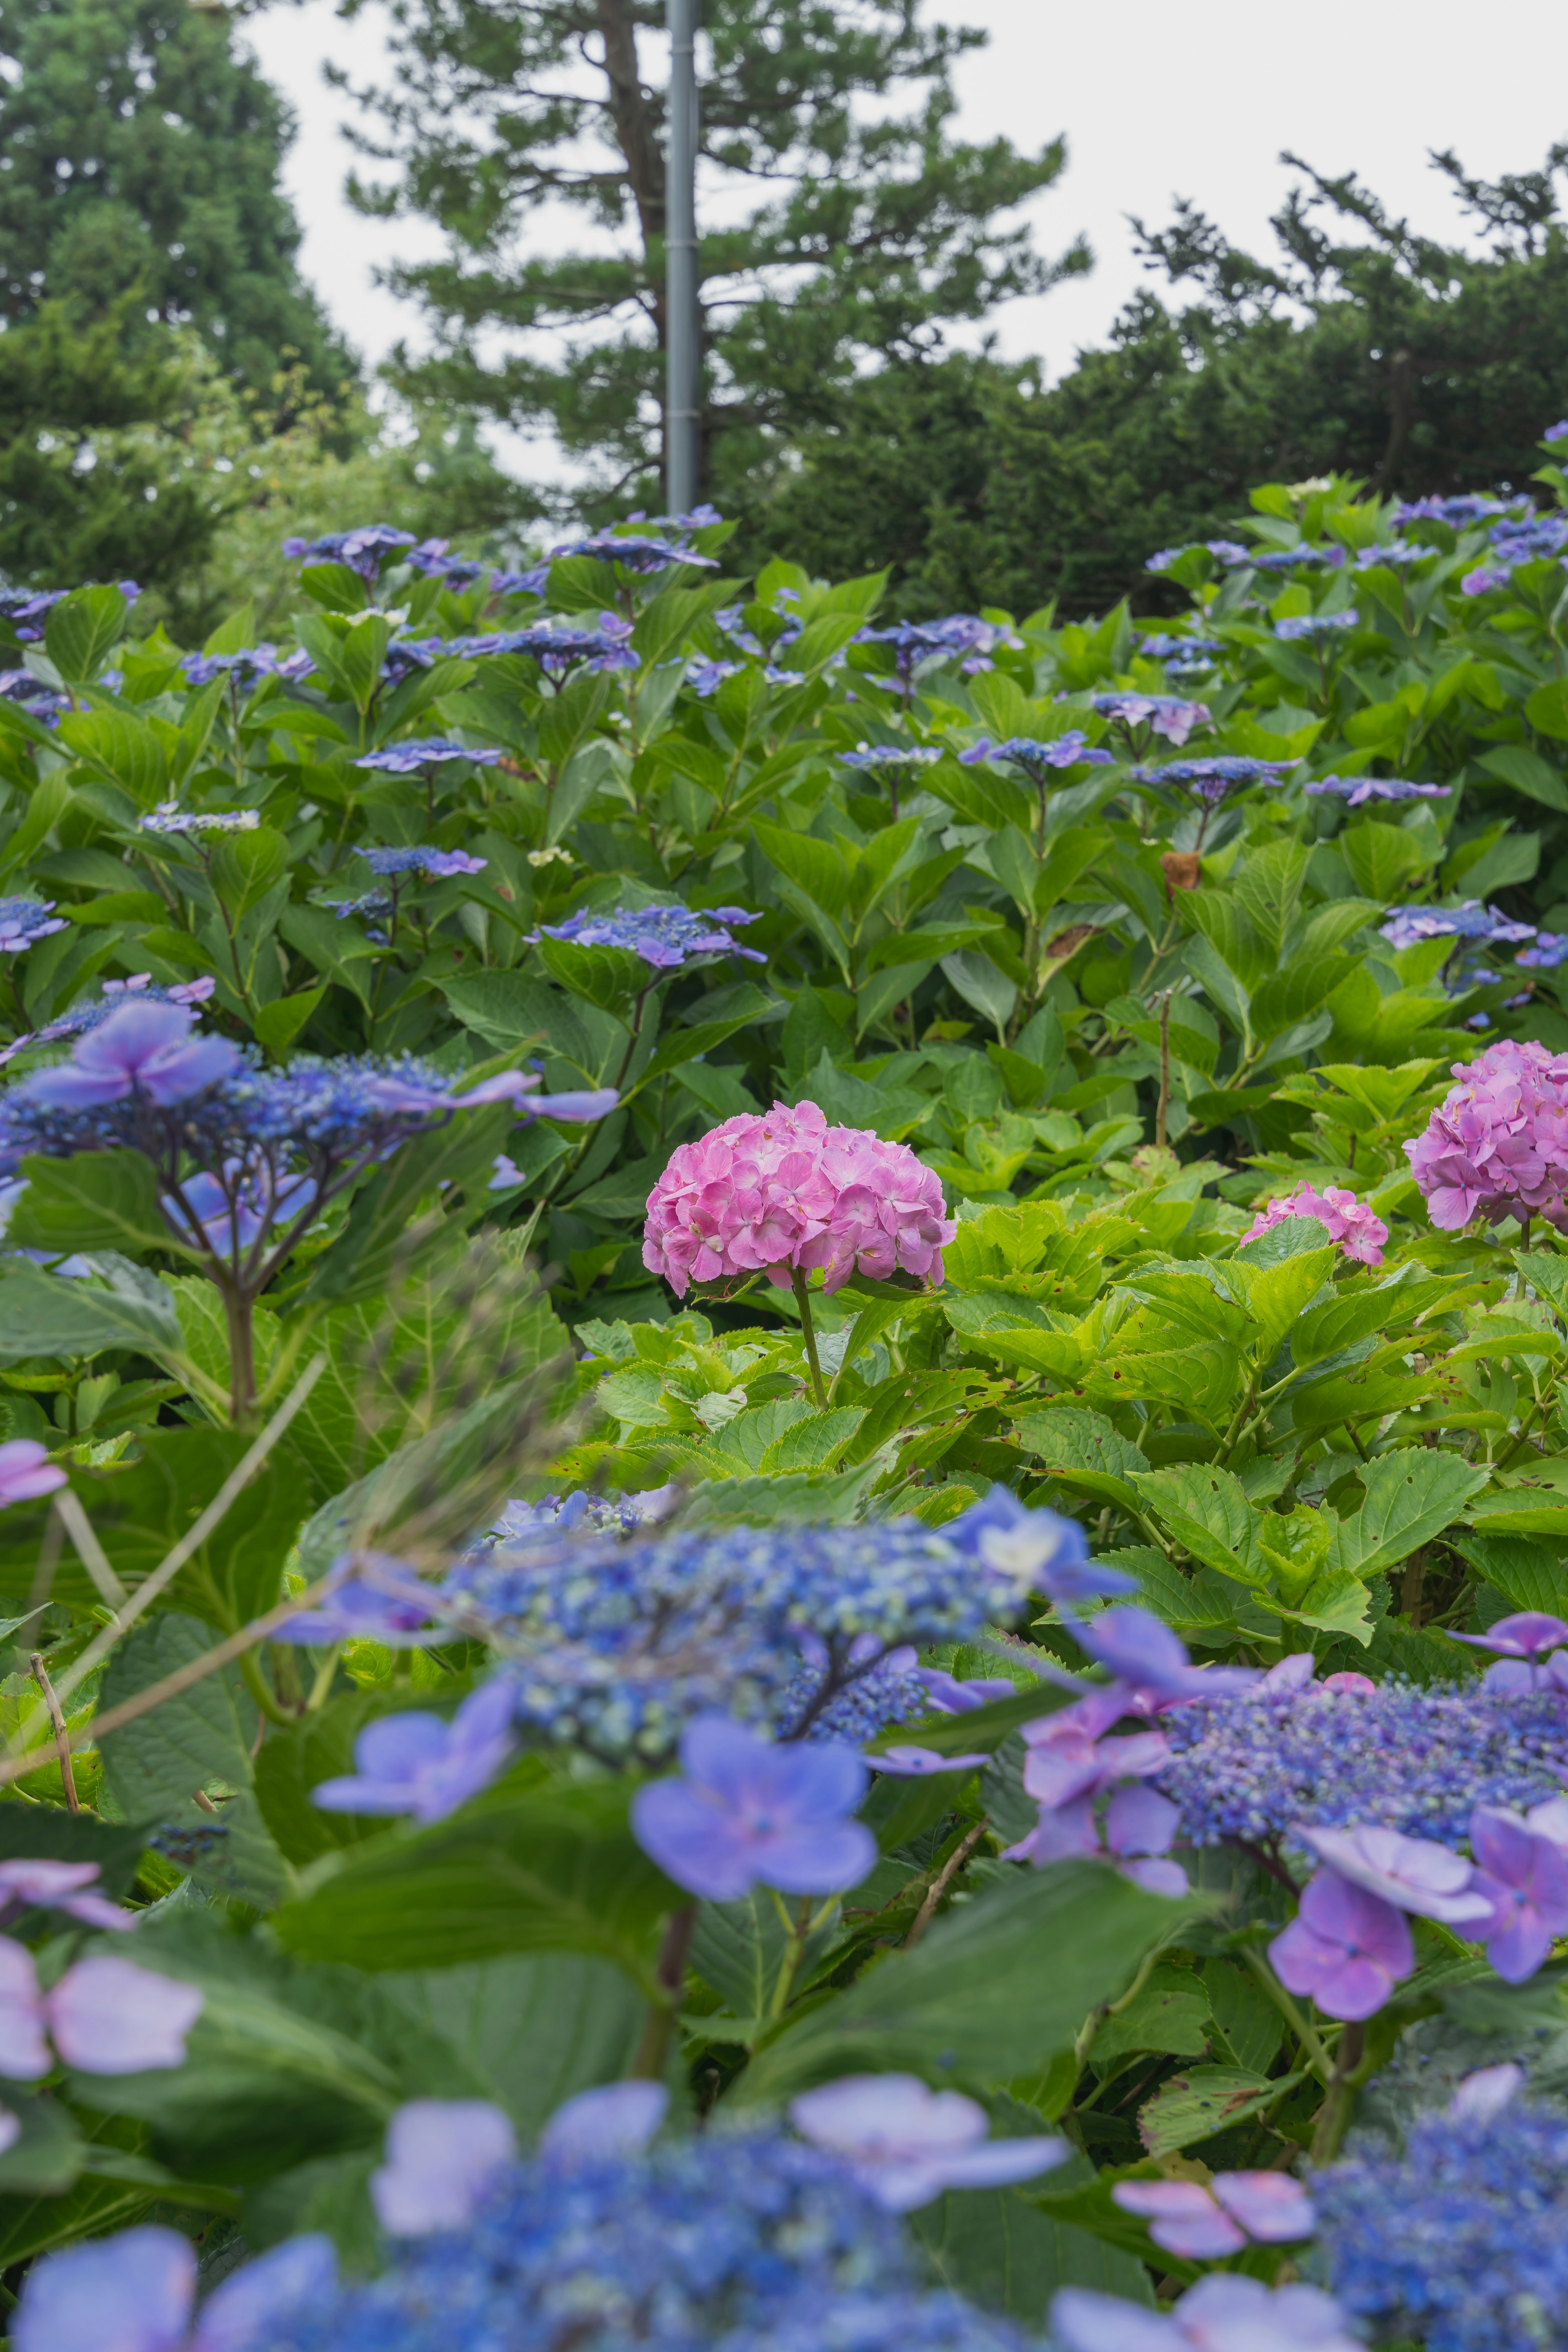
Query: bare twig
x,y
62,1736
943,1880
89,1550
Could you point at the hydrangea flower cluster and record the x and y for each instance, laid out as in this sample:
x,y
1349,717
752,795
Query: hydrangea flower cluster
x,y
364,549
1461,2239
1496,1146
1072,749
26,609
1252,1766
1188,653
1163,714
636,551
1516,539
1545,952
1356,790
580,1512
170,817
963,634
408,758
441,864
247,666
665,937
1408,925
1469,506
558,645
30,693
1315,627
1213,778
1353,1224
872,758
783,1193
95,1010
24,921
615,1647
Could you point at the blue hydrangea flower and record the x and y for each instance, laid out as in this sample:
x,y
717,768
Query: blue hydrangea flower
x,y
1470,507
406,654
1558,432
408,758
1072,749
873,758
705,677
1408,925
364,549
1461,2240
1251,1767
1163,646
31,694
633,551
558,644
1297,559
1213,778
963,634
665,937
254,661
1548,949
24,921
97,1010
1356,790
441,863
27,609
169,817
1312,626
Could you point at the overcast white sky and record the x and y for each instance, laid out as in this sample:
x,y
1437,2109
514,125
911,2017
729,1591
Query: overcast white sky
x,y
1157,98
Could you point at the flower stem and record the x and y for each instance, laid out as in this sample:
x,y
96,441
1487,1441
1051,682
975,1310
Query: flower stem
x,y
1316,2056
1335,2112
669,1974
808,1332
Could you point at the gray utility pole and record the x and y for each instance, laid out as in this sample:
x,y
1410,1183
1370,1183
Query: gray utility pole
x,y
680,410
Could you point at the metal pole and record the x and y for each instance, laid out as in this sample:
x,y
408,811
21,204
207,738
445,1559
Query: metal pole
x,y
680,411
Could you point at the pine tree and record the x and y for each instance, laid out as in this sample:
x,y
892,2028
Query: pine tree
x,y
836,231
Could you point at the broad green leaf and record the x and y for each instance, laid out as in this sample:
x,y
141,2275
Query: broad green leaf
x,y
1002,1322
398,1220
44,1314
508,1011
1335,1602
244,865
94,1201
1084,1451
973,2003
534,2029
295,1758
1171,2014
128,751
204,1733
1219,918
1361,1309
739,1948
1207,1511
608,977
1192,2107
1528,773
531,1870
1528,1575
1275,1294
1009,2251
1268,885
1202,1379
1252,2026
817,1443
81,628
820,868
1412,1495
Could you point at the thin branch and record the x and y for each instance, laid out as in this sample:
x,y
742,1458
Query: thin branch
x,y
89,1550
943,1880
62,1736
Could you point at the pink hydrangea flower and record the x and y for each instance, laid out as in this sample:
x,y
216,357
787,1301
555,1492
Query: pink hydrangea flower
x,y
786,1192
1497,1145
1358,1229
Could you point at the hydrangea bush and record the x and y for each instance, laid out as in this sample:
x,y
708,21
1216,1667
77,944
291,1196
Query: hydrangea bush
x,y
784,1485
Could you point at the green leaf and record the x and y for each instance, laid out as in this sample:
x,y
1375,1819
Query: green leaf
x,y
815,1442
1170,2013
680,1045
607,977
385,1237
46,1315
1547,709
294,1758
94,1201
1192,2107
1290,996
1528,773
1528,1575
48,2158
739,1948
1252,2026
1335,1602
510,1011
1208,1512
125,750
1412,1495
153,1766
278,1024
81,629
527,1869
1084,1451
972,2002
979,982
1361,1309
244,865
820,868
1010,2252
534,2028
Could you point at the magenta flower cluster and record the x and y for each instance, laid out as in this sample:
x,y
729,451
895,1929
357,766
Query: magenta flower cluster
x,y
785,1192
1353,1224
1498,1144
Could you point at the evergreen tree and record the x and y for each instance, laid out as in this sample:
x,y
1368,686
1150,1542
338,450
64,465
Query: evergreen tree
x,y
139,153
1415,366
835,229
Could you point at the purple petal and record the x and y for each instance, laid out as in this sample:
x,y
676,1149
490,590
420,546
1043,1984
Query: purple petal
x,y
1271,2206
914,1763
575,1109
598,2126
1486,2093
442,2158
127,2293
24,2053
1155,1878
1524,1636
692,1840
1181,2217
108,2017
243,2310
1140,1821
1083,2321
821,1858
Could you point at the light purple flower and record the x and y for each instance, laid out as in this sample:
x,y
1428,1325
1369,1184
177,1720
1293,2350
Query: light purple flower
x,y
1345,1948
406,759
1207,2223
23,920
386,1602
1486,2093
1135,1645
1356,790
26,1472
442,863
443,2157
1413,1873
141,1048
748,1811
133,2292
906,2143
1043,1551
105,2016
1558,432
1528,1633
58,1886
1224,2313
1141,1827
417,1764
227,1216
602,2127
1525,1875
946,1696
907,1761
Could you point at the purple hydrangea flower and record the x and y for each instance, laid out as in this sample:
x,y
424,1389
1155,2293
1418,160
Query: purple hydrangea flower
x,y
408,758
104,2016
1040,1550
604,2126
442,863
169,817
246,667
906,2143
1345,1948
1545,953
1524,1873
633,552
872,757
963,634
135,2292
24,921
705,677
558,644
1356,790
1140,1649
373,1599
64,1886
26,1472
1072,749
1213,778
415,1763
1191,653
1224,2313
1313,627
1408,925
1415,1875
31,694
363,549
1164,713
26,609
665,937
1529,1634
141,1049
443,2155
1203,2224
229,1216
749,1810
